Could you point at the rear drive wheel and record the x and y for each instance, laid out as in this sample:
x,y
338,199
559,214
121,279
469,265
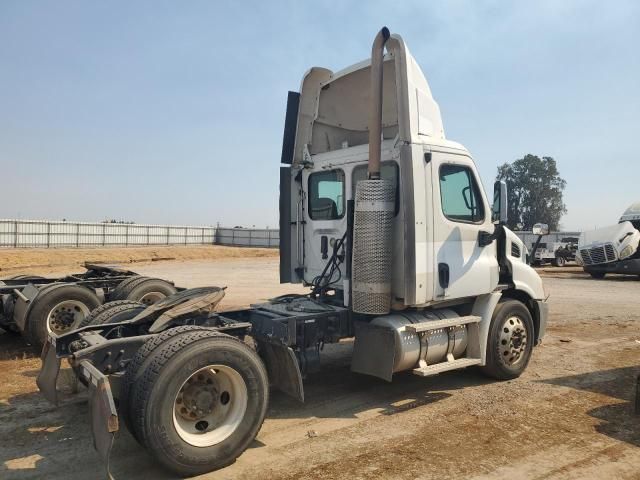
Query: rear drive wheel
x,y
559,262
510,341
137,366
200,401
58,310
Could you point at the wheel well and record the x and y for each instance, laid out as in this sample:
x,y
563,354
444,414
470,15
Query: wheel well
x,y
526,299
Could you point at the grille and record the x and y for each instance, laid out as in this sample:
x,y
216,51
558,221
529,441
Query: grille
x,y
372,246
600,254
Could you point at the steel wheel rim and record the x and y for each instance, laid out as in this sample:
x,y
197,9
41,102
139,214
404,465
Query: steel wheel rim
x,y
513,341
210,405
152,297
66,316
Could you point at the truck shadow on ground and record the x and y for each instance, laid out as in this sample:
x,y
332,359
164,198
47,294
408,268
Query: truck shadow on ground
x,y
56,442
617,419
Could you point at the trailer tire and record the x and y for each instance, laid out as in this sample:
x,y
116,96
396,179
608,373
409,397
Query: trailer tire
x,y
105,307
64,305
192,381
146,290
136,367
510,341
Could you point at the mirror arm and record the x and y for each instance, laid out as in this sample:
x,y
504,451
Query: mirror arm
x,y
486,238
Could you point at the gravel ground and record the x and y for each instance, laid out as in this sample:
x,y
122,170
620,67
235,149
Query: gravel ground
x,y
569,415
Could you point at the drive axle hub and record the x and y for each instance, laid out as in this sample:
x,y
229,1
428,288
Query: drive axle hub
x,y
197,398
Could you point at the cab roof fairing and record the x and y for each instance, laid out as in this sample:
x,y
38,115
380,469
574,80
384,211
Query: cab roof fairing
x,y
334,107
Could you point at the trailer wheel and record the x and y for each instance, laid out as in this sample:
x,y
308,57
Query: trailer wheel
x,y
597,275
200,401
112,312
96,312
58,310
510,341
146,290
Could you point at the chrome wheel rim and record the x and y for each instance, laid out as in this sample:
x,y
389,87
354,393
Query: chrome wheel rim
x,y
66,316
210,405
513,341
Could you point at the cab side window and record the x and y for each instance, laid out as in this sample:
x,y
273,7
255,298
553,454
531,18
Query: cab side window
x,y
460,194
326,195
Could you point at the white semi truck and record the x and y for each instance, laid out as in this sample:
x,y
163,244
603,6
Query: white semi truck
x,y
388,224
614,249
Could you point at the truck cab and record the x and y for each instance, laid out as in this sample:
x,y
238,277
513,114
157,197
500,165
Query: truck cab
x,y
447,246
612,249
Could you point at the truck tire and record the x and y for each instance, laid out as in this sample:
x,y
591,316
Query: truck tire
x,y
137,366
510,341
200,401
116,293
597,275
105,312
58,309
146,290
559,262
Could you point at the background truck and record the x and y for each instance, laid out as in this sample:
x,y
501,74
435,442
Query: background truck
x,y
36,306
386,222
614,249
556,253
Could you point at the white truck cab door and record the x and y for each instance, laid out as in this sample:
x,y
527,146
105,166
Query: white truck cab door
x,y
462,267
324,217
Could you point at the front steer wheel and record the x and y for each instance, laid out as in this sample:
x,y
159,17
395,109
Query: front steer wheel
x,y
200,401
510,341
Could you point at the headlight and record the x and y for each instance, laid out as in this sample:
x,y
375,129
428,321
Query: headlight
x,y
626,252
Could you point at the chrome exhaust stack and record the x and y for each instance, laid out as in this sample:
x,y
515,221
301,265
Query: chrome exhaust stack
x,y
374,208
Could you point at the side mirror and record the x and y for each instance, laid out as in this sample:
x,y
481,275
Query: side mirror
x,y
540,229
499,210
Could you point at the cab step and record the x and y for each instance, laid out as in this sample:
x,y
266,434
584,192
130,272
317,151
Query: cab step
x,y
446,366
445,323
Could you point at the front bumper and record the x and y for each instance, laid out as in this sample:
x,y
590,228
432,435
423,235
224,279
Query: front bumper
x,y
542,308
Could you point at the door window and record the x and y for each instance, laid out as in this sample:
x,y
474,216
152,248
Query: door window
x,y
326,195
460,194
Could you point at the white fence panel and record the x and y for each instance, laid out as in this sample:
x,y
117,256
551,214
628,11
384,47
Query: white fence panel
x,y
50,234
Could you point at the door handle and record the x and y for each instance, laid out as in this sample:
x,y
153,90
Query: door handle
x,y
443,275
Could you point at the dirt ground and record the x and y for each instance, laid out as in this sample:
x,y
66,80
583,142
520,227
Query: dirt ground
x,y
569,416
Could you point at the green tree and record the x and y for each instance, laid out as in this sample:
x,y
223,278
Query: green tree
x,y
534,190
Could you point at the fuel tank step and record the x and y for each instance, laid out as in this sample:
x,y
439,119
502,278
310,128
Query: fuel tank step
x,y
445,323
446,366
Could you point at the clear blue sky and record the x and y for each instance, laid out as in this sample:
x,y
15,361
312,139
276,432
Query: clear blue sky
x,y
172,112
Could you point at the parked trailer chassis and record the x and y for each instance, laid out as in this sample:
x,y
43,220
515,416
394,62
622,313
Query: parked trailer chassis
x,y
22,298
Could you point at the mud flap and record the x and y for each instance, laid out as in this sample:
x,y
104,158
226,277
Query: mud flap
x,y
374,351
283,368
48,376
104,417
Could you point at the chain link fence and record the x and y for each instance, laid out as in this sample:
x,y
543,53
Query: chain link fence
x,y
55,234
